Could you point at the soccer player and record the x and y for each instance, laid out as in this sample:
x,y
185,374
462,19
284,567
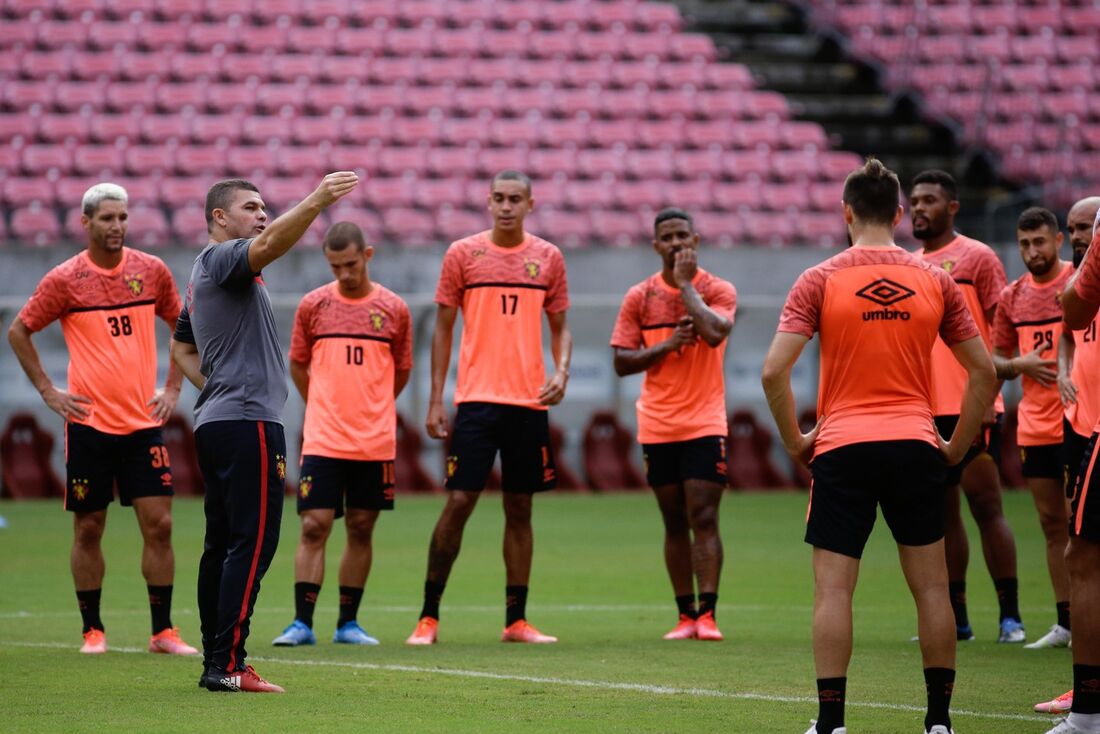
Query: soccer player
x,y
673,326
108,298
878,311
1080,300
1029,321
350,356
503,279
226,344
976,269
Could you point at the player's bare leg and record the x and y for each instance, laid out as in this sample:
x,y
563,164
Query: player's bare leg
x,y
519,543
1083,562
677,548
926,574
309,575
703,499
835,578
982,484
158,565
354,569
1050,502
442,552
957,551
88,568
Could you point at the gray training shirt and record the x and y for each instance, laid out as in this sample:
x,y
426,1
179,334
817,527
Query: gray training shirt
x,y
227,315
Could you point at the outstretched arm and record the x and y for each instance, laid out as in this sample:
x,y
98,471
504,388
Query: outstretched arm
x,y
284,232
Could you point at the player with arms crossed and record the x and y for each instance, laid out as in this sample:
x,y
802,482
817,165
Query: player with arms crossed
x,y
350,356
878,310
1029,321
673,326
108,299
976,269
503,280
227,345
1080,301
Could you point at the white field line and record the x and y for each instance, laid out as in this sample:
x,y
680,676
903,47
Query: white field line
x,y
573,683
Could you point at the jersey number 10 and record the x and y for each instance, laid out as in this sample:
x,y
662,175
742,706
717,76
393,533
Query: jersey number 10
x,y
354,354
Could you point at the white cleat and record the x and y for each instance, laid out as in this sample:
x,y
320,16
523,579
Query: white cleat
x,y
1058,636
813,729
1065,727
940,729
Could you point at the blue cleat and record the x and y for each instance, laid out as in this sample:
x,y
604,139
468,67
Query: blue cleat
x,y
297,633
1012,631
964,633
350,633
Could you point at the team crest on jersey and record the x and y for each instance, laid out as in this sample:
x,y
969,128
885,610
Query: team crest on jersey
x,y
452,466
377,319
533,268
305,486
948,265
280,466
80,488
136,283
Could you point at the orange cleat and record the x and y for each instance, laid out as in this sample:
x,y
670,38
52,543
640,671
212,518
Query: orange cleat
x,y
95,642
521,631
1060,705
707,629
240,681
168,641
684,629
426,632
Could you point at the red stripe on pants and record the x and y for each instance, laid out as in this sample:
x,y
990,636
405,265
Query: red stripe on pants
x,y
256,553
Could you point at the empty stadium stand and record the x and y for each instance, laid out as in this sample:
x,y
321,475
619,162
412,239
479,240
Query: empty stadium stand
x,y
25,449
613,108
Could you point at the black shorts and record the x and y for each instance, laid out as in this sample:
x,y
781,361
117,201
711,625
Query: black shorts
x,y
1084,504
327,484
701,458
96,462
905,478
988,441
1073,451
1042,462
522,435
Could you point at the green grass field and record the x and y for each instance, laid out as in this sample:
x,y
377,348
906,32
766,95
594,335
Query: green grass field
x,y
599,584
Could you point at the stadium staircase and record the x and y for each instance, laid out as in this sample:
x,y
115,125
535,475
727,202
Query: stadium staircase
x,y
810,63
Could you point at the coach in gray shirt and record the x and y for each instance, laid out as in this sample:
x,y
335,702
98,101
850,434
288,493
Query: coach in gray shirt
x,y
227,346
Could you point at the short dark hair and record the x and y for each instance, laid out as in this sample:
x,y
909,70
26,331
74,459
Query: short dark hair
x,y
512,175
943,179
1035,217
672,212
343,234
220,196
873,192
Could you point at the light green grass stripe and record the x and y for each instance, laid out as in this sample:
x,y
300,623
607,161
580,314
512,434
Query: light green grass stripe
x,y
572,682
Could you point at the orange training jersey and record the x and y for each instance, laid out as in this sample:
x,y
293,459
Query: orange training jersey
x,y
981,277
1087,287
879,311
684,395
108,318
502,292
352,347
1084,412
1029,318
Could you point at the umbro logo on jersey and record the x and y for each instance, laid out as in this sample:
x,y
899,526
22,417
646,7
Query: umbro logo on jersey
x,y
885,292
232,682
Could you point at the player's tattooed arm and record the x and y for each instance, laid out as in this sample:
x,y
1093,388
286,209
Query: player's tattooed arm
x,y
65,404
711,326
186,356
1067,391
632,361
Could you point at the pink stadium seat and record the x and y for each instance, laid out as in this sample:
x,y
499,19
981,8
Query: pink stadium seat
x,y
452,161
245,160
717,132
189,225
629,73
749,455
96,64
608,452
582,194
803,136
692,46
46,64
523,100
563,228
643,46
426,100
606,133
365,129
510,132
417,130
598,162
409,41
125,96
19,192
368,220
177,191
356,41
276,97
26,448
176,9
622,229
207,160
626,103
571,131
383,192
736,196
261,130
98,160
821,229
242,67
24,94
649,164
312,131
548,162
165,128
40,159
162,36
645,194
61,128
113,128
148,227
409,227
464,131
143,160
454,222
307,40
441,192
399,160
36,224
585,72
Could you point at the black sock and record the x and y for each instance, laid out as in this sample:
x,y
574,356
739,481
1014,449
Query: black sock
x,y
515,604
708,602
160,607
1008,597
686,605
957,590
940,683
1063,613
350,597
830,704
305,601
1086,689
433,593
89,608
